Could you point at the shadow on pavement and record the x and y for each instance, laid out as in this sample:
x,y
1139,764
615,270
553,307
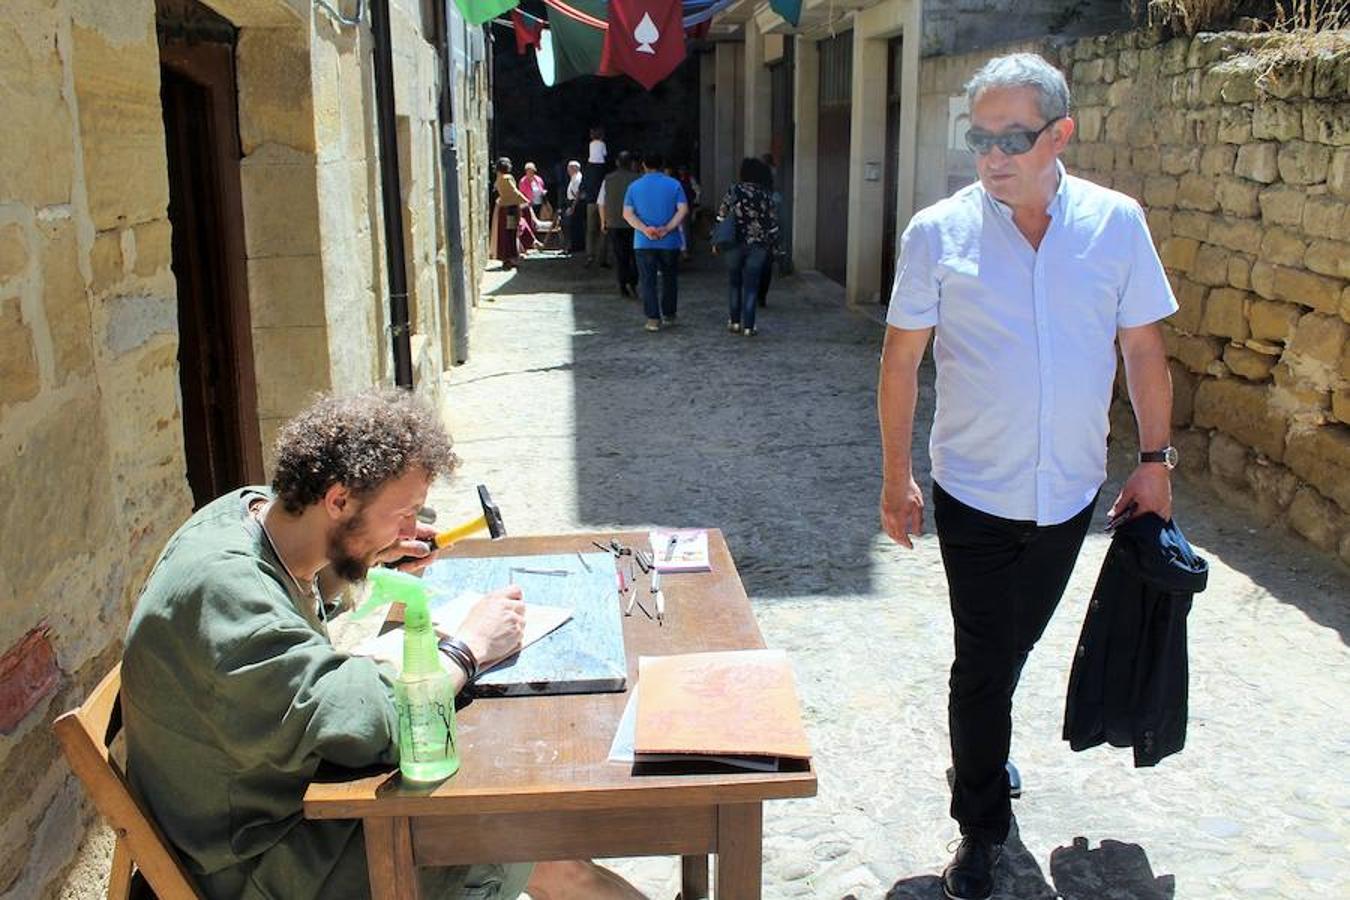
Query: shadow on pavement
x,y
769,438
1114,871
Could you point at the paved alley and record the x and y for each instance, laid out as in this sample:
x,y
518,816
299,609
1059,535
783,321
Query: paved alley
x,y
581,421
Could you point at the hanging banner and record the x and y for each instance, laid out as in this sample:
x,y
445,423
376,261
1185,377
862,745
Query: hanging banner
x,y
543,57
476,12
577,44
790,10
527,29
645,40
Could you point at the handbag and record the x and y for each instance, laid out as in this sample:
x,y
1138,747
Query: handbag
x,y
724,233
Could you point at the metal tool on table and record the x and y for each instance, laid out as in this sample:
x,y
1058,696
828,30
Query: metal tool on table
x,y
658,598
556,573
626,562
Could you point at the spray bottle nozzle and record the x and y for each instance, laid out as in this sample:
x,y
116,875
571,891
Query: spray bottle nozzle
x,y
419,641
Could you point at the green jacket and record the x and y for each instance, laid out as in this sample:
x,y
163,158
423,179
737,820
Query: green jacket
x,y
232,695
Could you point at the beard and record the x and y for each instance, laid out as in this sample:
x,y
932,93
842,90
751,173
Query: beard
x,y
346,565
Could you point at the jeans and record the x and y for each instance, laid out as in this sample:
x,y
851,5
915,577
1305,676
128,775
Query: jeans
x,y
1005,578
625,266
745,268
662,263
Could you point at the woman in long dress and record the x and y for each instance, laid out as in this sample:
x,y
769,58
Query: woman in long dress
x,y
506,216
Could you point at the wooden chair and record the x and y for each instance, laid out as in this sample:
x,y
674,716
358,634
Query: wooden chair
x,y
548,230
141,853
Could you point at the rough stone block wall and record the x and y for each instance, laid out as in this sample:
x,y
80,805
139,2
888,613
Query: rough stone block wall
x,y
1246,182
92,470
91,457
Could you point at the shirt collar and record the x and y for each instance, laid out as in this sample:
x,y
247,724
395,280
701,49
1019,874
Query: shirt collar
x,y
1054,207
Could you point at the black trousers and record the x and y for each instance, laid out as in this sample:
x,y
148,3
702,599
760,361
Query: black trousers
x,y
1005,578
625,263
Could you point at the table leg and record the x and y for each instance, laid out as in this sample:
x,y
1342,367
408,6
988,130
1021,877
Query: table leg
x,y
740,850
694,877
393,876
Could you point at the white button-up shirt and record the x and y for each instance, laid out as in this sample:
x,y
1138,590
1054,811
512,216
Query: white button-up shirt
x,y
1025,340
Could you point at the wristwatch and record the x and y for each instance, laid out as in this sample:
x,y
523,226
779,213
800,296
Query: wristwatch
x,y
1167,456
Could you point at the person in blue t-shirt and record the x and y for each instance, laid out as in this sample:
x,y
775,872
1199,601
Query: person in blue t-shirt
x,y
655,206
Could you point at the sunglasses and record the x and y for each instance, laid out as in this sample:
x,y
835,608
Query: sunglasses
x,y
1012,143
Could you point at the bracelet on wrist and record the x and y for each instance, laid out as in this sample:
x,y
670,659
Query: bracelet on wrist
x,y
459,652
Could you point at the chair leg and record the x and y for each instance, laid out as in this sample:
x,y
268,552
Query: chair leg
x,y
119,879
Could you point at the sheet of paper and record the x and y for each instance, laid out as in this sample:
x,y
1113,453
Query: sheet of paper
x,y
449,615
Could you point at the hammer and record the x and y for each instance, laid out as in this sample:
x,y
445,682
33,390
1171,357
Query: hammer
x,y
491,519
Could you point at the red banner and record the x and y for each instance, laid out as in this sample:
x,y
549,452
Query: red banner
x,y
528,30
645,40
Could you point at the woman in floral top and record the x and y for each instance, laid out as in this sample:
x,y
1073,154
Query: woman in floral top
x,y
750,200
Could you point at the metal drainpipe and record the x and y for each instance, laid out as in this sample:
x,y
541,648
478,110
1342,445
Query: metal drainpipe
x,y
390,190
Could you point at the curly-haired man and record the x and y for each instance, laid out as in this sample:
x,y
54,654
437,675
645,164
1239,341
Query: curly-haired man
x,y
233,694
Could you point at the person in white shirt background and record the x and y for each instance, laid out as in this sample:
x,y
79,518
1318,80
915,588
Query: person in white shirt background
x,y
597,245
575,210
1028,279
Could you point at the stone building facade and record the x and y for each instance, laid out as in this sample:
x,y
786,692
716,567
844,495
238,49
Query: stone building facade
x,y
101,322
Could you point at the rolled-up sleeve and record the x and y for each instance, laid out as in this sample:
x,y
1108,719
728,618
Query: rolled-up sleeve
x,y
1146,296
914,296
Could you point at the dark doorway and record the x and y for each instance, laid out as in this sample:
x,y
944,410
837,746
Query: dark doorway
x,y
782,77
894,54
215,351
836,121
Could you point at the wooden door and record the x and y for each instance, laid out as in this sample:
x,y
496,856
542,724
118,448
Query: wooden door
x,y
892,182
836,121
215,354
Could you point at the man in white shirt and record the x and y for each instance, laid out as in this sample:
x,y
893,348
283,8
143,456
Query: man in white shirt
x,y
1028,278
576,209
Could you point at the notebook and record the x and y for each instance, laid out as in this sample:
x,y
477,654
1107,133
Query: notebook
x,y
680,550
722,707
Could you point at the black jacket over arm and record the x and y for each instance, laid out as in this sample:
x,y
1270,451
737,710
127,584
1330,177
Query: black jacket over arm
x,y
1129,681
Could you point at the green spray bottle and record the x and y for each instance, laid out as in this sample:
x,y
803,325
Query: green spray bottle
x,y
424,693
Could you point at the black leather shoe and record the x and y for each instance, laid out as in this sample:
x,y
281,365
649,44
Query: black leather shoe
x,y
971,873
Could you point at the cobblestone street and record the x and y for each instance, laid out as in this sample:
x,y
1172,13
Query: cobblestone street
x,y
581,421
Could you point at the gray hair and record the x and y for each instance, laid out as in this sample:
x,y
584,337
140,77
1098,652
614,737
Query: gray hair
x,y
1024,70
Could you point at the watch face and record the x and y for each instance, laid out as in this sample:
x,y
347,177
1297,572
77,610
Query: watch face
x,y
1170,457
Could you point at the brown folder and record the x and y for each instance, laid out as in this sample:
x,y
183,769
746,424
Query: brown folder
x,y
737,703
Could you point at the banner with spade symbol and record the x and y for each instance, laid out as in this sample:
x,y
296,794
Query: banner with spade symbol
x,y
645,40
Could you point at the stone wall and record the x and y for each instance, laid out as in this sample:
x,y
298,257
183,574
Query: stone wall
x,y
91,459
1247,189
92,467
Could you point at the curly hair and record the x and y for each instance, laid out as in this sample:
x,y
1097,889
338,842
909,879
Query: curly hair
x,y
361,441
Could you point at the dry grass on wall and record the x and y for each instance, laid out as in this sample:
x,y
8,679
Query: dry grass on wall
x,y
1189,17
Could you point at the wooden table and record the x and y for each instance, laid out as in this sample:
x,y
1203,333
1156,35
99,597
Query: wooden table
x,y
535,783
